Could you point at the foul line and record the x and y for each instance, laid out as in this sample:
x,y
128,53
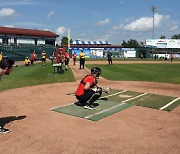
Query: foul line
x,y
114,106
169,103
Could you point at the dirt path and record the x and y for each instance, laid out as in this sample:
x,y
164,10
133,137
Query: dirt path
x,y
134,130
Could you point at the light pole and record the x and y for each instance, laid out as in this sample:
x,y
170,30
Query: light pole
x,y
153,8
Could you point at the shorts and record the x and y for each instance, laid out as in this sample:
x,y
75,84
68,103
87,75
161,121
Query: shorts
x,y
66,61
43,59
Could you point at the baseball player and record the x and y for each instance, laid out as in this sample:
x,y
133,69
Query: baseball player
x,y
6,66
88,91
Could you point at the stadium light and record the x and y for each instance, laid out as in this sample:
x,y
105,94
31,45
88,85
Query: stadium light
x,y
153,8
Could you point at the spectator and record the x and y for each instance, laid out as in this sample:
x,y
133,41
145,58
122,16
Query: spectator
x,y
6,66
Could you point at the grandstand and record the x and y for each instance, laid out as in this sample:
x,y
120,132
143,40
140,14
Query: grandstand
x,y
17,43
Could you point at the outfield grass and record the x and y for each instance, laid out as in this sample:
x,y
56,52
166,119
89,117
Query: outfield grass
x,y
165,73
130,59
23,76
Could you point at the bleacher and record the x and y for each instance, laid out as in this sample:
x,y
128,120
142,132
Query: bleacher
x,y
21,51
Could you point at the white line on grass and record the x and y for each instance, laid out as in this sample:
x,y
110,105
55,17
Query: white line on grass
x,y
165,106
114,106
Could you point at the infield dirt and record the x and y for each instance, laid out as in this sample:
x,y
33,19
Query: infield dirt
x,y
134,130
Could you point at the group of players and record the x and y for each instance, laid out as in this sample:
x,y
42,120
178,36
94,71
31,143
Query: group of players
x,y
86,93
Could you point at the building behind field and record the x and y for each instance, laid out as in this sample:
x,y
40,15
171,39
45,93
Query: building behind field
x,y
99,49
18,43
162,48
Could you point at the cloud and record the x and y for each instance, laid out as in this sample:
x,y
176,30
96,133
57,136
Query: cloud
x,y
50,14
7,12
61,30
118,27
173,28
18,2
121,2
11,26
145,23
82,34
103,22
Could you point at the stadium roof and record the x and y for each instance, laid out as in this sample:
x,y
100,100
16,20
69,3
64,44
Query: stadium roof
x,y
26,32
76,42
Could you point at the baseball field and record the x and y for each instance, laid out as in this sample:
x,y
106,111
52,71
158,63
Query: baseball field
x,y
140,115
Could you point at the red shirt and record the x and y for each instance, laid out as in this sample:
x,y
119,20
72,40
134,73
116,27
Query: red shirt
x,y
80,89
34,56
74,56
66,55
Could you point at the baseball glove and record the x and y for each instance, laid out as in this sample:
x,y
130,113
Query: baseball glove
x,y
106,89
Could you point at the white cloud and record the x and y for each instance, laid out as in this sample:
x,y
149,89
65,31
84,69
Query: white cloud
x,y
117,27
11,26
173,28
121,2
7,12
145,23
82,34
103,22
50,14
23,2
61,30
46,29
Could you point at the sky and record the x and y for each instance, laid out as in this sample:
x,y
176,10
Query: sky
x,y
95,20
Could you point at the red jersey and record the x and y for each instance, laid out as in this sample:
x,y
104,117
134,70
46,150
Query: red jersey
x,y
34,56
58,58
74,56
66,55
89,78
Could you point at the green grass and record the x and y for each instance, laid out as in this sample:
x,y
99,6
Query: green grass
x,y
130,59
23,76
165,73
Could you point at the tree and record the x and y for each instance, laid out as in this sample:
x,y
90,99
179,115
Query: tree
x,y
124,44
141,44
64,40
176,36
130,44
162,37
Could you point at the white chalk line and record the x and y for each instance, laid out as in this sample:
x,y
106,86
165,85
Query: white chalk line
x,y
123,102
170,103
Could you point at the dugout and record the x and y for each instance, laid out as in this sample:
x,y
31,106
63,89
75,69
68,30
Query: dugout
x,y
144,51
